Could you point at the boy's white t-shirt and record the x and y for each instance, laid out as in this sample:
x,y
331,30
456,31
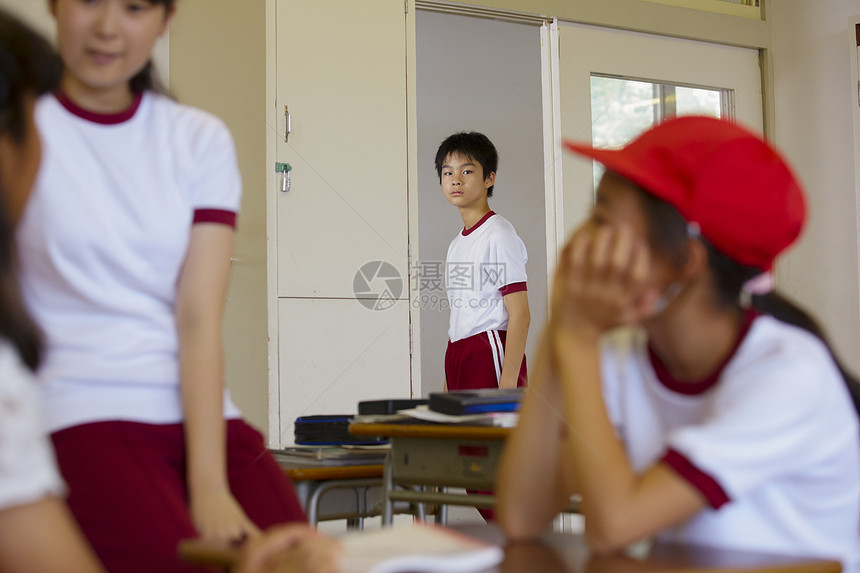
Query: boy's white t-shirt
x,y
102,243
28,471
483,264
772,441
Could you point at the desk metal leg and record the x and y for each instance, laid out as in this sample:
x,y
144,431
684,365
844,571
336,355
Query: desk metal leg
x,y
313,504
388,487
321,489
442,510
355,522
421,508
361,504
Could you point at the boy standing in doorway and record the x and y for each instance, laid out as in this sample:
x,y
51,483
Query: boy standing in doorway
x,y
485,273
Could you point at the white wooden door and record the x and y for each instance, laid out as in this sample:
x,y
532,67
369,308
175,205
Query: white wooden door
x,y
342,228
585,51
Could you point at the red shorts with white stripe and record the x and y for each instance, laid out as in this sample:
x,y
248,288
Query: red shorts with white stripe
x,y
476,362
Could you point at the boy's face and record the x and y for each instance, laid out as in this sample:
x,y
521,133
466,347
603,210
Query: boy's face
x,y
463,181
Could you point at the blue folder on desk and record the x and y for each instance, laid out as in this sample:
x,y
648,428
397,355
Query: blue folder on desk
x,y
461,402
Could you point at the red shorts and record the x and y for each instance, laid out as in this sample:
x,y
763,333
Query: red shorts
x,y
127,489
476,362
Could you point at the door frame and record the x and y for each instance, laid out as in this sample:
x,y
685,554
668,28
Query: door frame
x,y
634,15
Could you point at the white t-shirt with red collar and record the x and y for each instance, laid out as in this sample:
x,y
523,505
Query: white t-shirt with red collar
x,y
771,440
28,471
102,242
484,263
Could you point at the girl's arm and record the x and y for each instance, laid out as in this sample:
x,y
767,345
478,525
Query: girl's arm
x,y
199,308
620,507
601,283
517,306
535,482
43,536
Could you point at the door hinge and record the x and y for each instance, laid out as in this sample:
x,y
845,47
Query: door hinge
x,y
406,6
410,339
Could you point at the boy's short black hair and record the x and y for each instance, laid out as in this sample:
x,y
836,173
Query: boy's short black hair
x,y
473,145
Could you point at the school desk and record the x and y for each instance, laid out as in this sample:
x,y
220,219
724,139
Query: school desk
x,y
337,492
439,456
568,553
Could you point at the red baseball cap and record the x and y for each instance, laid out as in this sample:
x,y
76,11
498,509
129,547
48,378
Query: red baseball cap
x,y
730,182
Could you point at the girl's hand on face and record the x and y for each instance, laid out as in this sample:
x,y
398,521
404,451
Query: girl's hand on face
x,y
601,282
218,516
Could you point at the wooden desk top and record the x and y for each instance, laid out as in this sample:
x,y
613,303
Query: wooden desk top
x,y
567,553
440,431
333,472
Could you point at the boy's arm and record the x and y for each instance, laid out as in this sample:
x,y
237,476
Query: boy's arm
x,y
519,318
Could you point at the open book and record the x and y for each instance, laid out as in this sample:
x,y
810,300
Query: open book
x,y
417,549
324,456
403,549
497,419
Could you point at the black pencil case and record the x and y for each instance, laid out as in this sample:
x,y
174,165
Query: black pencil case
x,y
327,430
385,407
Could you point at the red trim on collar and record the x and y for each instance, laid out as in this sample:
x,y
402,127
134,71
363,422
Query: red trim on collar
x,y
692,388
707,485
100,118
466,231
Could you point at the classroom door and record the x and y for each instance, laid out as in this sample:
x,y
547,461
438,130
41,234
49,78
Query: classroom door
x,y
477,74
341,322
615,84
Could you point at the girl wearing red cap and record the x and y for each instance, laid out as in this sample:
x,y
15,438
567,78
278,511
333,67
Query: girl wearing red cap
x,y
675,391
125,248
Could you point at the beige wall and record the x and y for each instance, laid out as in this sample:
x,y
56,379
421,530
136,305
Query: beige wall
x,y
218,63
34,12
814,96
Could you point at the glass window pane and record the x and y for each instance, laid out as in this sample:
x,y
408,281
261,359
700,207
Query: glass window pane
x,y
697,101
622,108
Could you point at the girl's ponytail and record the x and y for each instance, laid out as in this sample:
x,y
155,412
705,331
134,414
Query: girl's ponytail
x,y
147,80
669,234
731,278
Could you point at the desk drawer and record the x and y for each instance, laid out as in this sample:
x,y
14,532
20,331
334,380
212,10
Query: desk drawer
x,y
453,463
